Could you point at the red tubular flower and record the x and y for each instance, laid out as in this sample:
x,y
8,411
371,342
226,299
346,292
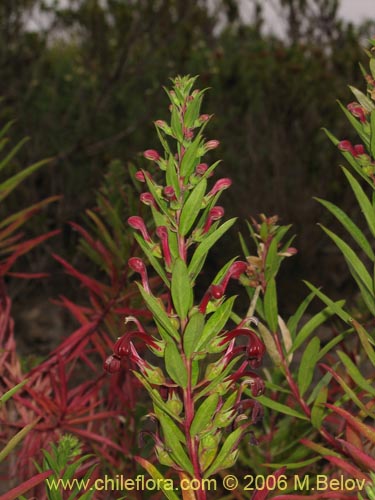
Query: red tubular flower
x,y
215,213
148,199
256,383
215,292
255,348
138,223
122,344
162,232
151,154
257,410
236,269
137,265
220,185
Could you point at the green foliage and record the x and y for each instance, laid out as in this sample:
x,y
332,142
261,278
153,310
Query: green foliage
x,y
64,460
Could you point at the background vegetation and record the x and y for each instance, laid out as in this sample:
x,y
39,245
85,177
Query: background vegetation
x,y
82,79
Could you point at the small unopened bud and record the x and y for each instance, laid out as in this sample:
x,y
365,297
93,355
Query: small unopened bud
x,y
112,364
170,193
201,168
148,199
188,134
359,149
151,154
358,111
140,176
211,145
204,118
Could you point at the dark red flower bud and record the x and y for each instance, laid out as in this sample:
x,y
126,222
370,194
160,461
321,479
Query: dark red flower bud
x,y
170,193
138,223
140,176
148,199
358,111
151,154
215,292
204,118
112,364
359,149
346,146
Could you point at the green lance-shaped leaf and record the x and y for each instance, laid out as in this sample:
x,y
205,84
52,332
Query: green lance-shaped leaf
x,y
152,259
318,409
356,125
336,307
279,407
192,333
9,394
273,260
229,444
193,108
7,186
174,365
216,322
159,313
355,374
362,99
363,201
171,432
364,338
190,158
14,441
171,174
192,207
352,259
310,326
307,365
349,225
181,290
203,248
297,316
204,414
270,305
157,476
372,138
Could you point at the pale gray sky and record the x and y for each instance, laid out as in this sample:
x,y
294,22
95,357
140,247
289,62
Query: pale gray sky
x,y
355,11
358,10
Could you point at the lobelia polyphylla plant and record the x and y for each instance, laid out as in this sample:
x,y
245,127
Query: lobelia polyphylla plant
x,y
197,387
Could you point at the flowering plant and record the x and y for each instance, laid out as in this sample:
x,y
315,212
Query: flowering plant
x,y
197,387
